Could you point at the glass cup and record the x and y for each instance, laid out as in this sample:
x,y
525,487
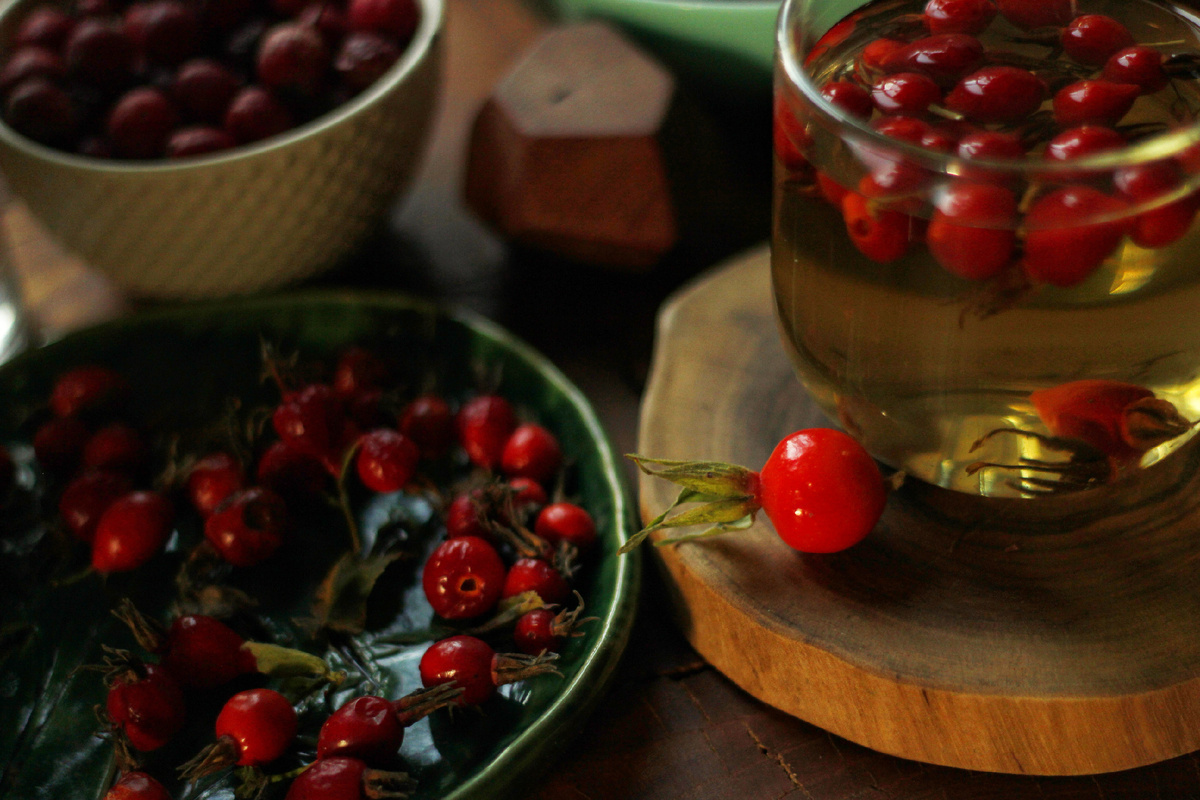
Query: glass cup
x,y
1009,325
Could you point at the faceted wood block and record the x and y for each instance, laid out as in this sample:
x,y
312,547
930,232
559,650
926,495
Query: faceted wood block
x,y
564,155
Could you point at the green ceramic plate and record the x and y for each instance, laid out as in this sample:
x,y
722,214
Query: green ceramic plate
x,y
730,42
183,364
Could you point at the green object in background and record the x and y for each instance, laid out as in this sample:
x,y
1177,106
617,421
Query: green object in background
x,y
183,364
728,42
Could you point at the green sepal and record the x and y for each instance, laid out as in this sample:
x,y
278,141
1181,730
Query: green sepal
x,y
727,513
708,477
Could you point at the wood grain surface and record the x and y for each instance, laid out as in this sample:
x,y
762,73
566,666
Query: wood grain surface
x,y
1052,637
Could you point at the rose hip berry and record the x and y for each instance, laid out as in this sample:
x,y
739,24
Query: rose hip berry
x,y
945,57
1094,102
463,517
364,57
463,578
1083,141
1069,234
341,778
386,460
87,497
31,62
1092,38
997,94
58,443
971,232
372,728
88,391
293,56
41,111
959,16
476,667
131,531
566,522
213,478
542,631
905,93
1163,223
249,527
45,26
99,53
146,704
531,452
850,97
429,422
203,90
255,114
291,471
137,785
880,234
536,575
484,424
1030,14
1137,65
253,728
116,447
396,18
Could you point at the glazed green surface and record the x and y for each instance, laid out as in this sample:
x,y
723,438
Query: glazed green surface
x,y
183,365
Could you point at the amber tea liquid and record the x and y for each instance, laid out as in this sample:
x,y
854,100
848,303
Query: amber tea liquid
x,y
921,364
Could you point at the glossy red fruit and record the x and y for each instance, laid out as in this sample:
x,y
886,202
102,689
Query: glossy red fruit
x,y
44,26
429,422
1092,38
849,97
87,497
31,61
358,370
1030,14
463,517
313,418
464,659
255,114
198,140
249,527
878,51
170,31
334,778
566,522
141,122
945,57
99,53
212,479
131,531
1137,65
534,632
203,653
789,138
989,146
527,493
116,447
1083,141
365,728
1070,232
396,18
536,575
905,93
997,94
484,424
39,110
137,786
531,452
261,722
959,16
971,232
880,234
364,57
58,444
147,705
328,19
386,460
831,190
291,471
1094,102
463,578
822,491
1145,185
832,37
293,57
203,90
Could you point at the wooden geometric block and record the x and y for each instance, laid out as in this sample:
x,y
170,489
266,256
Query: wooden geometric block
x,y
564,156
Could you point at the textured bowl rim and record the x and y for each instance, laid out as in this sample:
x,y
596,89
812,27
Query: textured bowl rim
x,y
429,27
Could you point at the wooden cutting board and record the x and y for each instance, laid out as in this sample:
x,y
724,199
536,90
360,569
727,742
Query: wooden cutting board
x,y
1040,637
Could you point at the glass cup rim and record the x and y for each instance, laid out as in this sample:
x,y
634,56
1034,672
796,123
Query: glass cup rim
x,y
1159,147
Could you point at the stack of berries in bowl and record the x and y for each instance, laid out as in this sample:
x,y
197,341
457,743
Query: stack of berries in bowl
x,y
173,78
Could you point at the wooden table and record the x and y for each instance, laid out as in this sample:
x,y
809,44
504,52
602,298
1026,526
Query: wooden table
x,y
671,726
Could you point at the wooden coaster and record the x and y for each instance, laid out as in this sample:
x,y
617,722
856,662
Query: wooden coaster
x,y
1041,637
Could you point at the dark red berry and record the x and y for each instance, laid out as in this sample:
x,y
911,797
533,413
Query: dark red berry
x,y
1083,141
1092,38
41,111
1093,102
484,424
255,114
396,18
959,16
429,422
31,61
262,724
291,471
566,522
292,56
137,786
336,778
363,57
88,391
116,447
534,632
94,8
463,517
313,418
849,97
141,122
44,26
1070,232
358,370
1137,65
789,137
249,527
531,452
203,90
131,531
536,575
366,728
171,32
1145,185
203,652
905,93
1030,14
58,444
527,493
99,53
328,19
464,659
880,234
971,233
997,94
147,705
212,479
87,497
198,140
989,146
945,57
463,578
387,460
879,51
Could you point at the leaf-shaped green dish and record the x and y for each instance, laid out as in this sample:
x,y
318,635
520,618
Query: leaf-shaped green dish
x,y
183,364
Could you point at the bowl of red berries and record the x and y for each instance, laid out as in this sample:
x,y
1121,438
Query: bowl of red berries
x,y
193,148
